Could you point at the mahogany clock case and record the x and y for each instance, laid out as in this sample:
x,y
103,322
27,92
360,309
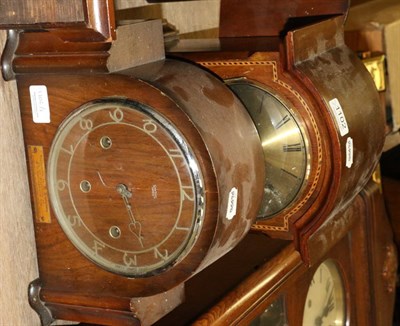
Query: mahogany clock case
x,y
330,96
225,145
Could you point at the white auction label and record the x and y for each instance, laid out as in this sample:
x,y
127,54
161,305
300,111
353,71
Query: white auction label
x,y
40,104
232,204
339,116
349,152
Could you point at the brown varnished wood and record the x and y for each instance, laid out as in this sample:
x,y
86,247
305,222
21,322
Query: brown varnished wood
x,y
264,284
208,287
28,12
93,315
48,51
260,289
311,68
360,254
382,256
322,62
271,18
88,20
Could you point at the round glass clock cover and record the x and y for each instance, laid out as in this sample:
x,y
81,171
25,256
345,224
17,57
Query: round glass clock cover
x,y
325,301
284,144
125,187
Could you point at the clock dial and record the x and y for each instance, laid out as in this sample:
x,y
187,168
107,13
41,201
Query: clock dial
x,y
284,144
325,301
125,187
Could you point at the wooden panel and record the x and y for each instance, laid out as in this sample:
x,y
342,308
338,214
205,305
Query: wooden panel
x,y
30,12
269,18
17,248
75,20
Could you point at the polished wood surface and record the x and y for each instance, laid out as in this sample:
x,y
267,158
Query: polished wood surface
x,y
364,259
205,290
89,20
27,12
59,51
259,290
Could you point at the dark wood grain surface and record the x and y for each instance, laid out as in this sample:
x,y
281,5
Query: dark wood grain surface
x,y
30,12
271,18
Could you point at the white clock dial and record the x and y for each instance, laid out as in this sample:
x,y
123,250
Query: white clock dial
x,y
325,301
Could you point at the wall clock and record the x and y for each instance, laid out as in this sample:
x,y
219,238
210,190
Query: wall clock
x,y
348,283
325,302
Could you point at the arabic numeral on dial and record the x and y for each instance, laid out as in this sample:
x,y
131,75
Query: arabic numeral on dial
x,y
158,254
149,126
117,115
74,220
69,150
62,185
185,195
98,246
86,124
129,260
175,153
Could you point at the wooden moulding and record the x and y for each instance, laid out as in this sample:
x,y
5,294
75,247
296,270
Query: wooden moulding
x,y
362,251
47,51
74,20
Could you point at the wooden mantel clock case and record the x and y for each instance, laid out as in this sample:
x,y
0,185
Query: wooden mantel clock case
x,y
313,104
136,184
145,170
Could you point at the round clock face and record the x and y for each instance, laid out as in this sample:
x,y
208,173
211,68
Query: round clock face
x,y
125,187
325,302
284,144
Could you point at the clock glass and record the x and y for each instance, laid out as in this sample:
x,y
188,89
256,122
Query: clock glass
x,y
274,314
125,187
325,301
284,144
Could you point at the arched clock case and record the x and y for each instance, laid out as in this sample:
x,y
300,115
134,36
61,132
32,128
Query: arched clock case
x,y
319,149
145,185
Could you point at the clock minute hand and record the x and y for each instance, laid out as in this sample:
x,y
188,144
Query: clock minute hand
x,y
137,227
328,307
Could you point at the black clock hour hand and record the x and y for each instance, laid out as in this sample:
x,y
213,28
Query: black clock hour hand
x,y
135,227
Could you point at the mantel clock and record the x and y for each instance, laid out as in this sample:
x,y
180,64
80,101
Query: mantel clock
x,y
137,182
303,94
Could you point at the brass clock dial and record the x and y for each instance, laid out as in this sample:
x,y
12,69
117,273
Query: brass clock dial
x,y
325,301
284,143
125,187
